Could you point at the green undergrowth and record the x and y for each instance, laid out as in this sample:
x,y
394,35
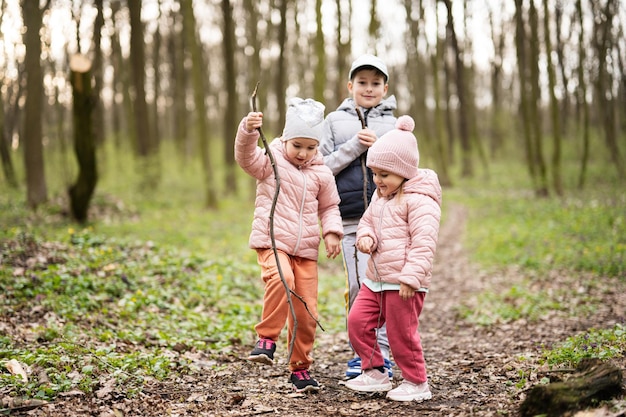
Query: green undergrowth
x,y
155,278
553,255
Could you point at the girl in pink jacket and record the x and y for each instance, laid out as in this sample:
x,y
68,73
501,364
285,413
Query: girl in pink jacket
x,y
307,198
399,230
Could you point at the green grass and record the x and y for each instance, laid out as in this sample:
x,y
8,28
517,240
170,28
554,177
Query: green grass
x,y
596,343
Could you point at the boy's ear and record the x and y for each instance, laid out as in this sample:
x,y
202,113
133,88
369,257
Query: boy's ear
x,y
350,86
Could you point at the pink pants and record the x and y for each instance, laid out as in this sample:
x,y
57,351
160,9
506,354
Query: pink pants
x,y
369,311
301,277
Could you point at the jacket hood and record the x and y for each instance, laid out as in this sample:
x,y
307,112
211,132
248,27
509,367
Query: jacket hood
x,y
426,182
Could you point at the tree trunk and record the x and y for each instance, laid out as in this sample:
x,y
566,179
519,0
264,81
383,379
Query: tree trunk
x,y
554,106
5,147
36,189
232,109
603,42
467,169
319,80
84,139
520,43
96,69
138,66
180,120
497,122
281,71
197,72
582,95
594,381
541,187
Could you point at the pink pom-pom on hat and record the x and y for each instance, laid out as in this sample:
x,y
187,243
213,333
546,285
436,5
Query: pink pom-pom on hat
x,y
396,151
405,123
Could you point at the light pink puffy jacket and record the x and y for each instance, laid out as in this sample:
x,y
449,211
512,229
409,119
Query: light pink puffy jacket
x,y
405,230
308,196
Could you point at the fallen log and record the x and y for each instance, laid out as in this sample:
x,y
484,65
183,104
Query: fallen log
x,y
593,381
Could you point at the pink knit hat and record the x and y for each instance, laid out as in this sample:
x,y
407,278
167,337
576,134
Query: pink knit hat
x,y
396,151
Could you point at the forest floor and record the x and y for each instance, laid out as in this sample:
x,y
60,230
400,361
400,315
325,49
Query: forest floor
x,y
474,370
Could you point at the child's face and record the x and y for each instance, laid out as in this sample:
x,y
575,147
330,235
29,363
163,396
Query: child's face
x,y
301,150
367,88
386,182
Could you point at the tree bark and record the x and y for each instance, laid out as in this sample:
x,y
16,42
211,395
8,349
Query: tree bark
x,y
541,184
467,169
592,382
281,71
232,111
197,75
138,66
84,139
582,96
554,106
36,188
319,80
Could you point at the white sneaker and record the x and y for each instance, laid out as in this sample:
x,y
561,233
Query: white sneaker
x,y
408,391
371,380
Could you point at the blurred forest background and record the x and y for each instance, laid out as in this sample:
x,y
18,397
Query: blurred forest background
x,y
537,80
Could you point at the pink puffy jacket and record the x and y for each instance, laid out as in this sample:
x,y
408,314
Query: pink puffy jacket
x,y
405,229
307,197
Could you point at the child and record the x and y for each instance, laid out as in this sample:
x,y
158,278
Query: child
x,y
344,146
307,193
399,230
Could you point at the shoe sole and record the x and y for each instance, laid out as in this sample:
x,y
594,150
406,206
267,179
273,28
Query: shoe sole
x,y
264,359
308,388
370,388
419,398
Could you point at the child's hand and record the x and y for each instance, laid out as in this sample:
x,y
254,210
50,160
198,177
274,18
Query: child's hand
x,y
365,244
254,120
332,243
406,292
367,137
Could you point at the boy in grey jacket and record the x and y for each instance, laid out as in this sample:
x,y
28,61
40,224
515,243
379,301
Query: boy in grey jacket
x,y
347,137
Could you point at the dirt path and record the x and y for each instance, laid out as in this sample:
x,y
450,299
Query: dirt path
x,y
473,370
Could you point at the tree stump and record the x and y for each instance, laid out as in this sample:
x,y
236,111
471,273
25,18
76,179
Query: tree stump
x,y
84,138
593,381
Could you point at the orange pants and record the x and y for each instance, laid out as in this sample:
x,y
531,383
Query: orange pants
x,y
301,276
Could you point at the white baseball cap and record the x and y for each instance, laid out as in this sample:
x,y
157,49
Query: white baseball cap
x,y
368,60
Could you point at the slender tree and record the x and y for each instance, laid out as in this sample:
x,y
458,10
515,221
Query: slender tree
x,y
197,73
36,188
603,43
554,105
319,80
281,65
467,169
581,96
230,81
541,188
138,66
96,70
84,139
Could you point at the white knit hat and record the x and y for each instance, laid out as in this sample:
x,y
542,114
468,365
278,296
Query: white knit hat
x,y
368,60
304,119
396,151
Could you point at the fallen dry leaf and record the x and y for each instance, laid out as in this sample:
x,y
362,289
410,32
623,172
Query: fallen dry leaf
x,y
16,368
